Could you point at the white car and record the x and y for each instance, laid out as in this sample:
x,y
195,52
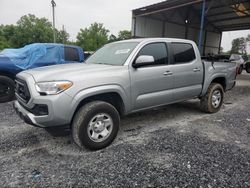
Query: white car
x,y
239,62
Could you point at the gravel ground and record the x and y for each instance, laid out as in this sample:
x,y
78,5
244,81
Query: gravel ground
x,y
175,146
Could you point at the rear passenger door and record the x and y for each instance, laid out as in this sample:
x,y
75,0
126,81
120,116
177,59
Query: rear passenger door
x,y
187,71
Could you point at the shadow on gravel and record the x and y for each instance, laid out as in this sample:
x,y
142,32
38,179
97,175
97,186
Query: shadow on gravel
x,y
17,142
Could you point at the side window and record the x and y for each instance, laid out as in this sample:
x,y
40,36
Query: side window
x,y
71,54
183,53
157,50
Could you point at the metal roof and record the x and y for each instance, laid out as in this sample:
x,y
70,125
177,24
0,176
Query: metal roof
x,y
221,15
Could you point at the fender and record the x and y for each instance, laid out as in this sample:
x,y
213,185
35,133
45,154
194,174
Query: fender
x,y
7,74
209,79
88,92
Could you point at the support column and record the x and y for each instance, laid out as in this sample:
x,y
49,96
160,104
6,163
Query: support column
x,y
202,25
205,43
219,51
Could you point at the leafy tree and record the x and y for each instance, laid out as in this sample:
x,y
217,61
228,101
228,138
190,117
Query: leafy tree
x,y
93,37
124,34
62,37
6,36
239,45
31,29
3,43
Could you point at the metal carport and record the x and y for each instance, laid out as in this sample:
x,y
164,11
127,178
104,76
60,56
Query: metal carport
x,y
202,21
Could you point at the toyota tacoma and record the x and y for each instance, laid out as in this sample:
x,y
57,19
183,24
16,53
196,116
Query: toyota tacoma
x,y
118,79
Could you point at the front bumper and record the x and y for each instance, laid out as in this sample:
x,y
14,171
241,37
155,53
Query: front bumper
x,y
25,115
43,111
53,119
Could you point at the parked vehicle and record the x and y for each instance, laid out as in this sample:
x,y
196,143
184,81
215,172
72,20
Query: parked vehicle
x,y
239,61
120,78
87,54
13,61
247,66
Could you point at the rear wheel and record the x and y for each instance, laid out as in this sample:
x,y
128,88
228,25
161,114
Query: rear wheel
x,y
7,89
248,67
213,100
95,125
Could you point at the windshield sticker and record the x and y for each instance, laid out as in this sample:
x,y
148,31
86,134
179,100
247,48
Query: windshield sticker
x,y
124,51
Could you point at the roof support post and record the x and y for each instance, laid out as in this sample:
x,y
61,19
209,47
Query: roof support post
x,y
202,24
219,51
205,44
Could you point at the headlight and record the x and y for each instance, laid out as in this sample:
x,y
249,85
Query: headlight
x,y
53,88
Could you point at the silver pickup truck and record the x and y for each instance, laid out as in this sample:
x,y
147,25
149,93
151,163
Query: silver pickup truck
x,y
120,78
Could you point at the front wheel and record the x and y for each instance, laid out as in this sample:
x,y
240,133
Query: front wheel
x,y
213,100
95,125
7,89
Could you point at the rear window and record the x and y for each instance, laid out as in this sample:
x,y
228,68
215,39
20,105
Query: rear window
x,y
183,53
71,54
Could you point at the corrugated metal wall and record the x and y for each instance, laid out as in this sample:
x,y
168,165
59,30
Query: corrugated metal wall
x,y
147,27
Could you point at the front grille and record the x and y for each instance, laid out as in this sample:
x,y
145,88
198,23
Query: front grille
x,y
22,91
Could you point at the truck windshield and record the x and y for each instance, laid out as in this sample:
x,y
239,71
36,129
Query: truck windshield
x,y
113,54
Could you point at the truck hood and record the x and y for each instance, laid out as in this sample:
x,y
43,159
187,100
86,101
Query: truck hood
x,y
70,71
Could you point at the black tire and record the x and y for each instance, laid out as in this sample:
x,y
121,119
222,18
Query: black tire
x,y
248,67
80,125
7,89
240,69
206,100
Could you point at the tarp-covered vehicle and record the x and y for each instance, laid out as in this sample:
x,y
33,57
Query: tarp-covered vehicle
x,y
13,61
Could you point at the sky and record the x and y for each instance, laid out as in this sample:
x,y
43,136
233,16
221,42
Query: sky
x,y
116,15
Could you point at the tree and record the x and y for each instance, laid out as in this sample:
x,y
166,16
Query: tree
x,y
6,36
31,29
93,37
3,43
124,34
62,37
239,45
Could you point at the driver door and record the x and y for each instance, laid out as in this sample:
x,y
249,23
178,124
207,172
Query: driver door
x,y
152,85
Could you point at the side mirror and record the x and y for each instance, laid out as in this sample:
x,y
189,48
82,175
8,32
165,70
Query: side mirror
x,y
143,60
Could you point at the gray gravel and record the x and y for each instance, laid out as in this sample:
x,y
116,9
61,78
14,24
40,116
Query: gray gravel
x,y
175,146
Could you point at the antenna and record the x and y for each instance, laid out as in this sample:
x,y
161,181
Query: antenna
x,y
53,12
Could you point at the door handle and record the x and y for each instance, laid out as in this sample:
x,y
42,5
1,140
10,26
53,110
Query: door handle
x,y
197,69
167,73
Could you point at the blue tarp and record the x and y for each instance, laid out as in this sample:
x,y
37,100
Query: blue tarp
x,y
29,55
